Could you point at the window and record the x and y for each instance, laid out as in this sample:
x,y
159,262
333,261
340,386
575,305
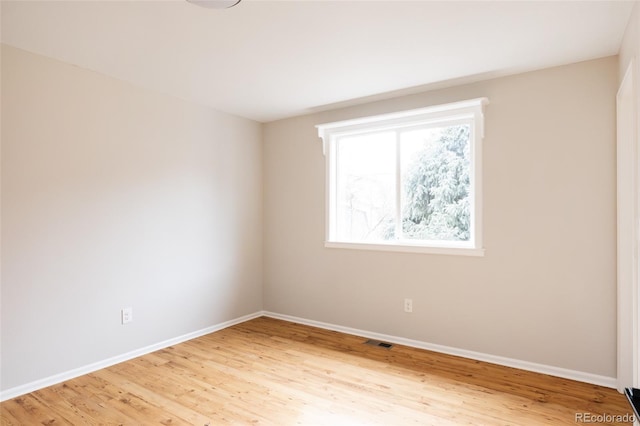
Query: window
x,y
407,181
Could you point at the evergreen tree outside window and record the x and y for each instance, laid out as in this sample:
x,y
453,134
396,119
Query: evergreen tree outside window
x,y
408,181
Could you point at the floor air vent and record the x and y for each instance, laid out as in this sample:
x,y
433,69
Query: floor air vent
x,y
378,343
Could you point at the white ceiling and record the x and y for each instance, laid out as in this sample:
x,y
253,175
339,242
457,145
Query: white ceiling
x,y
267,60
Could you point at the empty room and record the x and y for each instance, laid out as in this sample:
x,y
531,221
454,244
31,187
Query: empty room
x,y
314,212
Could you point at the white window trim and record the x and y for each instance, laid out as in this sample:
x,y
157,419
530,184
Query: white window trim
x,y
474,109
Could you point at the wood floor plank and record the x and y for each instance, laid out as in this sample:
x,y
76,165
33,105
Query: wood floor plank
x,y
273,372
27,409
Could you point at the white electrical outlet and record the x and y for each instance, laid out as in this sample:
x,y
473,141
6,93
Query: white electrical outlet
x,y
127,315
408,305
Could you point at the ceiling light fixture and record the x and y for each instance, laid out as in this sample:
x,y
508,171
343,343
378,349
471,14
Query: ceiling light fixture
x,y
215,4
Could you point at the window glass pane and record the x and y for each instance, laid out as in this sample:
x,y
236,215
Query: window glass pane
x,y
435,183
365,199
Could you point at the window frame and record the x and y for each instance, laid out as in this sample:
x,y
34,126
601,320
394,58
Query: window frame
x,y
470,110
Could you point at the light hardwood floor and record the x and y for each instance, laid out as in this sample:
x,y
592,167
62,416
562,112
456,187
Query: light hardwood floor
x,y
267,371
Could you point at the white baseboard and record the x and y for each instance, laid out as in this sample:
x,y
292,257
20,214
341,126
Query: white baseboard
x,y
76,372
580,376
493,359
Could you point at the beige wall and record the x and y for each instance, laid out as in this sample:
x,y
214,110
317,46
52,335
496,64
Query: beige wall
x,y
114,196
545,292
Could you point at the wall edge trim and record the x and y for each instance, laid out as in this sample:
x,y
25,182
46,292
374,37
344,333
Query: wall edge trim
x,y
90,368
550,370
580,376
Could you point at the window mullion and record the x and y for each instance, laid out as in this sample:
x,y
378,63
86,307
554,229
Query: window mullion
x,y
398,187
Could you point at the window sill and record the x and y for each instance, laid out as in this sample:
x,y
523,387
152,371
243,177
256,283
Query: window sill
x,y
458,251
